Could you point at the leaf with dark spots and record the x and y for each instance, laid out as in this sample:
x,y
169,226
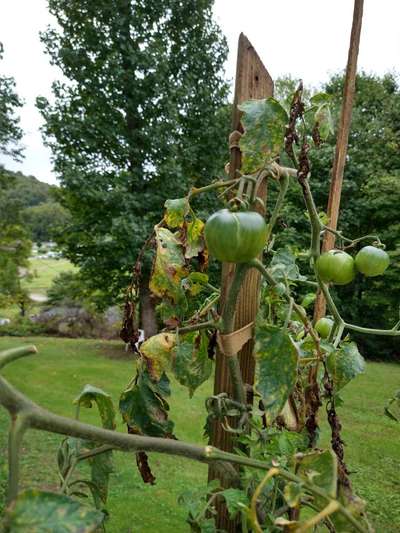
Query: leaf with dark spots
x,y
175,212
277,358
345,364
156,351
144,408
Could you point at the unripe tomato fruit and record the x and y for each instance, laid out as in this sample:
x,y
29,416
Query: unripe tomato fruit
x,y
324,326
336,266
235,237
372,261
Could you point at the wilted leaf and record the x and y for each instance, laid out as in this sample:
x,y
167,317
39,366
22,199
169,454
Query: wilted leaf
x,y
175,212
47,512
264,122
345,364
320,468
144,408
157,353
169,268
191,365
277,359
103,401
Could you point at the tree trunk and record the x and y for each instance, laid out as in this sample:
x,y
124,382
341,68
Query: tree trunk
x,y
148,319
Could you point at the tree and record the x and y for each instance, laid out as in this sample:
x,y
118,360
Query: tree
x,y
137,121
10,131
14,243
45,221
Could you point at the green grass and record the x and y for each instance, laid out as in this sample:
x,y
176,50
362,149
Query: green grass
x,y
44,271
64,366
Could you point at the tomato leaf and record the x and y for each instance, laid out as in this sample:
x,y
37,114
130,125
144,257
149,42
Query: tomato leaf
x,y
236,501
103,401
264,122
175,212
277,358
156,351
194,239
39,511
191,365
144,408
169,268
345,364
283,266
320,468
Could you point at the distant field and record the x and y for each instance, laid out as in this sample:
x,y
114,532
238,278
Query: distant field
x,y
64,366
44,271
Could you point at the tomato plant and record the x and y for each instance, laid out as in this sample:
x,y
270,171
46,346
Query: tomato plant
x,y
336,267
372,261
285,479
235,237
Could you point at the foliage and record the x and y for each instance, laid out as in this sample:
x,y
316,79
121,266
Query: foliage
x,y
45,221
135,121
283,469
10,131
69,289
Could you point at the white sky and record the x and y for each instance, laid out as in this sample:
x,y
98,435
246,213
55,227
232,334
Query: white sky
x,y
308,39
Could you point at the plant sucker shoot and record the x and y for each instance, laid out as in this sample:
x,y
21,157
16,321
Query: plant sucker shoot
x,y
285,481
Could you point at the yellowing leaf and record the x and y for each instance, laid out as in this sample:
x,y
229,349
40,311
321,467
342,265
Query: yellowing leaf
x,y
175,212
157,352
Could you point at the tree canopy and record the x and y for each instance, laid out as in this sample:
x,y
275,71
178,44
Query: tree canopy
x,y
137,120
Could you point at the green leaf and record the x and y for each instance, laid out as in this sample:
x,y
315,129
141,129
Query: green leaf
x,y
195,282
308,299
169,268
277,359
345,364
320,468
175,212
320,98
191,365
236,501
194,242
157,353
283,266
144,408
293,493
264,122
46,512
103,401
392,408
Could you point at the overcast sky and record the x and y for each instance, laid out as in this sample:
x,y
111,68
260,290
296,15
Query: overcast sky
x,y
308,39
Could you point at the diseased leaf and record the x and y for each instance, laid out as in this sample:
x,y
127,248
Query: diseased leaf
x,y
144,408
264,122
195,282
277,358
157,353
194,242
345,364
191,365
175,212
320,468
37,511
103,401
169,268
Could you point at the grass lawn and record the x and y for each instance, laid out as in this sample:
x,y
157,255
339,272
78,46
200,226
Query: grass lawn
x,y
64,366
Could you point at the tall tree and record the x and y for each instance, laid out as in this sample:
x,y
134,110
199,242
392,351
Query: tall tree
x,y
14,243
136,121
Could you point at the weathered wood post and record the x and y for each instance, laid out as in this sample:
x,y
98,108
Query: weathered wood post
x,y
252,81
342,141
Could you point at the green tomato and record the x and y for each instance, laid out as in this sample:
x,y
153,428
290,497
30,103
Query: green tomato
x,y
235,237
372,261
336,266
324,327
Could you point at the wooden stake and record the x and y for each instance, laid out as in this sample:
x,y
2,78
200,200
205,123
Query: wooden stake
x,y
252,81
342,142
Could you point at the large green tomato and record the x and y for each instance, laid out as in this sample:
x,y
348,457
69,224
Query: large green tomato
x,y
324,327
336,266
235,237
372,261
